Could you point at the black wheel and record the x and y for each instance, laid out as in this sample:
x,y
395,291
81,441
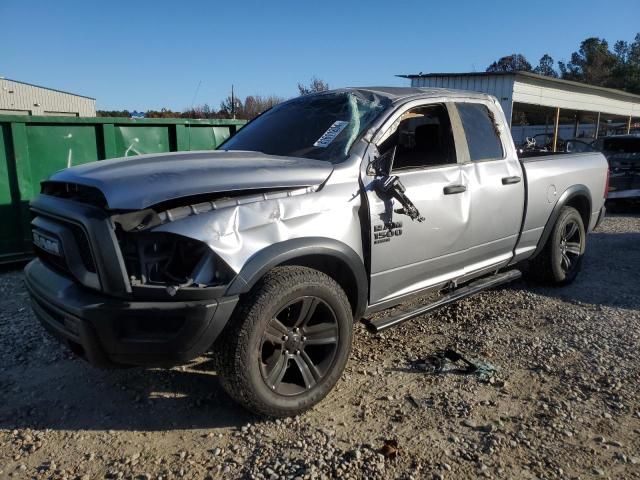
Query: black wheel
x,y
288,343
561,259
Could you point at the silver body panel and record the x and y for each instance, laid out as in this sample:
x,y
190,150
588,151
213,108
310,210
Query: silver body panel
x,y
481,230
142,181
547,179
238,232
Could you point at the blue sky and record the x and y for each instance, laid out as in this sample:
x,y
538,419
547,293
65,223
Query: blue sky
x,y
152,54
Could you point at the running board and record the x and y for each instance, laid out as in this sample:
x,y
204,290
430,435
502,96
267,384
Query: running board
x,y
472,288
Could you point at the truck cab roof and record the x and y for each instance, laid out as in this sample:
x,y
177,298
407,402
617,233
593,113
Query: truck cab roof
x,y
402,94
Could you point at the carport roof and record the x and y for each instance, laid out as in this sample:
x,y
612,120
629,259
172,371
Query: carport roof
x,y
558,82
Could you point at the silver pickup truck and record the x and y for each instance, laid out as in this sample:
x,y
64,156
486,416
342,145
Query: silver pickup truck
x,y
320,212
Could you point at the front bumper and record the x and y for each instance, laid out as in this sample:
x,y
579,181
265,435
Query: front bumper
x,y
110,332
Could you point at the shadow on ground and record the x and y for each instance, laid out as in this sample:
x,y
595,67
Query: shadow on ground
x,y
72,395
610,258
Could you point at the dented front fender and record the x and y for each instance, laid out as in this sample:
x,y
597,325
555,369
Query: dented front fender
x,y
250,224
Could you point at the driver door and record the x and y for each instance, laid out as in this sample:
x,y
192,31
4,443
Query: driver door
x,y
406,255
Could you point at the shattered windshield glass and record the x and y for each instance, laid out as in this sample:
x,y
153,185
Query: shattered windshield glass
x,y
321,127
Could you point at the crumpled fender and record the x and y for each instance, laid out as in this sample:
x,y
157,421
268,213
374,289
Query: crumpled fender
x,y
238,232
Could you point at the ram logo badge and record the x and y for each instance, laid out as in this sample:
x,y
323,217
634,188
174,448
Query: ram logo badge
x,y
383,233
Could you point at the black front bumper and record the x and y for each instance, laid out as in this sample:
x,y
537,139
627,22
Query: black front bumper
x,y
110,332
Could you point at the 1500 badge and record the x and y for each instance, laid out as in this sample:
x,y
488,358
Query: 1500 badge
x,y
385,232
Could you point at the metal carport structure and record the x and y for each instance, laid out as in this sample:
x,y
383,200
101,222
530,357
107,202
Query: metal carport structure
x,y
572,101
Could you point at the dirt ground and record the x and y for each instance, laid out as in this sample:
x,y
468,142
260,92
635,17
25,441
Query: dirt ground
x,y
556,397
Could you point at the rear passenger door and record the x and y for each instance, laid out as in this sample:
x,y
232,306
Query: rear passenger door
x,y
494,179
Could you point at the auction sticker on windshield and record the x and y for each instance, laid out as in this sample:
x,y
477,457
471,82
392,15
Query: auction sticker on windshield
x,y
332,132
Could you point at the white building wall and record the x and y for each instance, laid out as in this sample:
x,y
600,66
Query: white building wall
x,y
500,86
509,88
532,91
25,99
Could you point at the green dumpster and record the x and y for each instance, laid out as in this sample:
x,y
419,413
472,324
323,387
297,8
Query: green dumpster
x,y
32,148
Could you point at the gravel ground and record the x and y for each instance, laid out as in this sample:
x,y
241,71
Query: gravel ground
x,y
558,397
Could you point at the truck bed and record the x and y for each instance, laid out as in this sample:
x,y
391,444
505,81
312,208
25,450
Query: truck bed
x,y
547,178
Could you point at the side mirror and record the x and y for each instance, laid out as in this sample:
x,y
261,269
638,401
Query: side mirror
x,y
383,165
391,186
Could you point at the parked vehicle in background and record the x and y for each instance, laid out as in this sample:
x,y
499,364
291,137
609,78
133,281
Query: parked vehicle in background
x,y
323,210
579,145
623,154
545,141
541,144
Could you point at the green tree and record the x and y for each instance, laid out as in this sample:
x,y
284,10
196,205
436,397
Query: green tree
x,y
316,85
113,113
545,67
626,73
592,64
516,62
230,107
254,105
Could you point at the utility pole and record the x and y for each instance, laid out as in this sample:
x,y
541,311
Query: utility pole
x,y
233,104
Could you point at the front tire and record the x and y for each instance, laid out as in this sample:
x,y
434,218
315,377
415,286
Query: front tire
x,y
561,259
288,343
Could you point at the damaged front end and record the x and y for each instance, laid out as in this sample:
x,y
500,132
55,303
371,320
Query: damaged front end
x,y
145,287
164,255
143,260
159,263
118,297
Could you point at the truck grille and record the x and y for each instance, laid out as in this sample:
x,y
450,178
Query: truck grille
x,y
80,246
84,247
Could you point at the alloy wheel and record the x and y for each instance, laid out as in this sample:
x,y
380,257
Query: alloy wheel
x,y
570,246
299,346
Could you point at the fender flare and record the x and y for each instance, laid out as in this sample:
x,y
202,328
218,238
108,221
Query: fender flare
x,y
570,193
282,252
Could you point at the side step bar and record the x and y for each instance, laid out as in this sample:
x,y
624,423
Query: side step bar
x,y
472,288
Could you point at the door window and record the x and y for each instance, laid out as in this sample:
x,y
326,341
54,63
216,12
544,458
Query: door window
x,y
481,131
422,137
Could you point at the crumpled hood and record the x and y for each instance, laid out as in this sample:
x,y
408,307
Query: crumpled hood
x,y
135,183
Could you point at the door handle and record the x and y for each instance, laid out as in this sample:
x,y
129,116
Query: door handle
x,y
453,189
511,180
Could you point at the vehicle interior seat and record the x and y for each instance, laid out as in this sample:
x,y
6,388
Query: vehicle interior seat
x,y
426,151
429,143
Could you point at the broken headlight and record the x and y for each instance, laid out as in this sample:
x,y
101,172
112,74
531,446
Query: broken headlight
x,y
173,261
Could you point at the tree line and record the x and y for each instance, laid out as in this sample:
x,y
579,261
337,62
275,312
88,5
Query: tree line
x,y
594,63
231,107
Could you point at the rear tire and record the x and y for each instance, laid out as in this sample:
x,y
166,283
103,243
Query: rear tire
x,y
561,259
288,342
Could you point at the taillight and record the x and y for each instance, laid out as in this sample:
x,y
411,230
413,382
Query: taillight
x,y
606,185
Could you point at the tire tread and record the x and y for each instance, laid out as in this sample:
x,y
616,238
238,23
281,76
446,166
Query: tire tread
x,y
234,341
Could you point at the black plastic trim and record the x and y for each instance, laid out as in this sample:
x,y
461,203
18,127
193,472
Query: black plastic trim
x,y
380,324
106,331
98,227
525,209
289,250
71,250
569,194
601,215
